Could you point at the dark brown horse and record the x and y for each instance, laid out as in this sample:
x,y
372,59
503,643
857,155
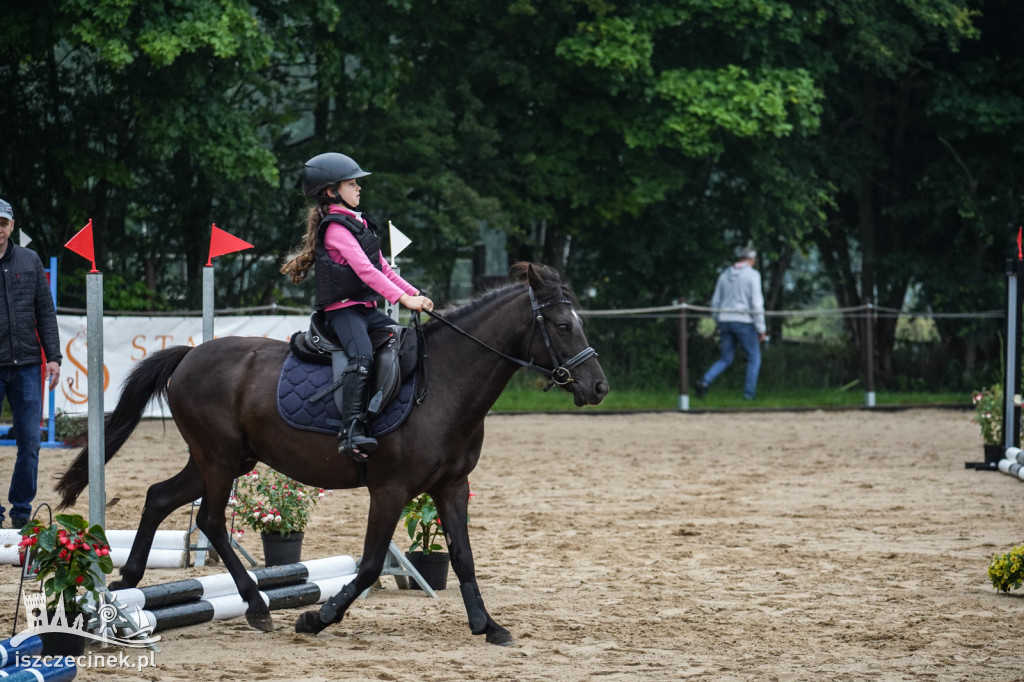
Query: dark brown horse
x,y
222,395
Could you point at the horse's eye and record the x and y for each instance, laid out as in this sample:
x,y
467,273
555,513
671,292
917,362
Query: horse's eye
x,y
563,327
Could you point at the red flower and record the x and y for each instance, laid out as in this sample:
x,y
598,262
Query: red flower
x,y
80,579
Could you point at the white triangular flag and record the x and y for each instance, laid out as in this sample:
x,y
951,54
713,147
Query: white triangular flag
x,y
398,242
23,239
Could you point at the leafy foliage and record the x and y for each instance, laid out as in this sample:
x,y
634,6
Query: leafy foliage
x,y
419,515
422,524
66,557
273,503
631,145
1006,571
988,413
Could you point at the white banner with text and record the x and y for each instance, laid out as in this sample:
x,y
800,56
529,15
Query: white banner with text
x,y
128,340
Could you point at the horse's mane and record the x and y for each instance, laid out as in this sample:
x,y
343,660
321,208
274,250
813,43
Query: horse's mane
x,y
550,281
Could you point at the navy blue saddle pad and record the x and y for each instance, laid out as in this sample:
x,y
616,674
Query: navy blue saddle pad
x,y
299,380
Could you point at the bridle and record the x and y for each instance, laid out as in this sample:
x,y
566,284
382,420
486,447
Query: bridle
x,y
562,372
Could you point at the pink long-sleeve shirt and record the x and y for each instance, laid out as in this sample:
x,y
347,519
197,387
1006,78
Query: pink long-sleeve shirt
x,y
344,249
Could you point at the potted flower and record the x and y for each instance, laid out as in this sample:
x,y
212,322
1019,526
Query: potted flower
x,y
988,414
278,508
1006,571
424,527
68,558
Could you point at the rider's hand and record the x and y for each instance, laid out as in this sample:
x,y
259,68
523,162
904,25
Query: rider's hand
x,y
416,302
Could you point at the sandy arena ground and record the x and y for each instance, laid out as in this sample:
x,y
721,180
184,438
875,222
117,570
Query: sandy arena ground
x,y
738,546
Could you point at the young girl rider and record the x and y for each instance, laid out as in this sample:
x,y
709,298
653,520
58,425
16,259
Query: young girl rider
x,y
351,274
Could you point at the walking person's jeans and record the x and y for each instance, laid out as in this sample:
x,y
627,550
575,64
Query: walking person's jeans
x,y
745,336
23,387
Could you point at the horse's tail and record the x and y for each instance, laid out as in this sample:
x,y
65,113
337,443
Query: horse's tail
x,y
147,380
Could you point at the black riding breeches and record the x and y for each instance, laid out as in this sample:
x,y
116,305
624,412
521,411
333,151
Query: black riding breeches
x,y
352,326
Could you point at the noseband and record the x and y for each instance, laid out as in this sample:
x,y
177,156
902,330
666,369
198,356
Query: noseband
x,y
562,372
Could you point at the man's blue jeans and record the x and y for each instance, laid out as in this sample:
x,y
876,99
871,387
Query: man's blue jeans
x,y
744,335
23,387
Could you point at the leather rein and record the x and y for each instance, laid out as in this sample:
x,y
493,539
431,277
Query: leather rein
x,y
562,372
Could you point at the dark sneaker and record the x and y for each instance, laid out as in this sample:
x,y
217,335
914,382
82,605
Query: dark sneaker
x,y
702,389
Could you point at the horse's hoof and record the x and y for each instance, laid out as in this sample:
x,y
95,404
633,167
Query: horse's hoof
x,y
502,638
116,585
310,623
260,621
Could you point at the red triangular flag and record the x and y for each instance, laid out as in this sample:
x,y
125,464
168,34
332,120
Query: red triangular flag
x,y
81,244
221,242
1019,255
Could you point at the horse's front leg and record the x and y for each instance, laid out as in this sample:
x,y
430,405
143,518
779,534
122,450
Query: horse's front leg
x,y
452,505
161,499
385,508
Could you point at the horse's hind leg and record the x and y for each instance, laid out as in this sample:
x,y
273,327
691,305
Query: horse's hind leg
x,y
452,506
161,499
212,522
385,508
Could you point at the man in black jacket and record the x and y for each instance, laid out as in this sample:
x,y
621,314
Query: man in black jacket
x,y
28,329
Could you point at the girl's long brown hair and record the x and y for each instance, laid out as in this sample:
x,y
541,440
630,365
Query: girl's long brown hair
x,y
299,265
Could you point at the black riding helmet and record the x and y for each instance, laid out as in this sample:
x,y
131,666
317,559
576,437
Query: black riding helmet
x,y
327,170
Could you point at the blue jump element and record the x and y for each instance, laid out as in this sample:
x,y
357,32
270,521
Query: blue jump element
x,y
9,654
60,670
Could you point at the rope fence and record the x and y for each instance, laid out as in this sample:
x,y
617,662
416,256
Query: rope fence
x,y
648,345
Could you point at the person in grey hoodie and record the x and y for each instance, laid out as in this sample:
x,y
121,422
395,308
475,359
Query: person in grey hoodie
x,y
28,331
738,310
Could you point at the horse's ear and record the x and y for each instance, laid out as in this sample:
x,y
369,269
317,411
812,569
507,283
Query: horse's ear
x,y
533,276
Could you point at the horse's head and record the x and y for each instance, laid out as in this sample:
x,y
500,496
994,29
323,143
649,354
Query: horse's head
x,y
560,341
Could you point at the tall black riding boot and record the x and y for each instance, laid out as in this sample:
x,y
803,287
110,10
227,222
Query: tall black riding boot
x,y
355,439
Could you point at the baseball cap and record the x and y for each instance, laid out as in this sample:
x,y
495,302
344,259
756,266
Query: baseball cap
x,y
745,252
6,211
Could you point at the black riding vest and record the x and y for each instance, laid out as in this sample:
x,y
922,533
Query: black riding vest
x,y
335,282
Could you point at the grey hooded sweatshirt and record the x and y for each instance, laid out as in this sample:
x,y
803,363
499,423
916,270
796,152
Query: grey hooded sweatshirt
x,y
738,296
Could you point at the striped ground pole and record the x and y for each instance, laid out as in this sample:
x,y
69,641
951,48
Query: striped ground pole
x,y
215,597
169,550
1012,462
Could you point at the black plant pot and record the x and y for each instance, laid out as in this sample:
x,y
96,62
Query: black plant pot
x,y
62,643
993,453
279,550
433,567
